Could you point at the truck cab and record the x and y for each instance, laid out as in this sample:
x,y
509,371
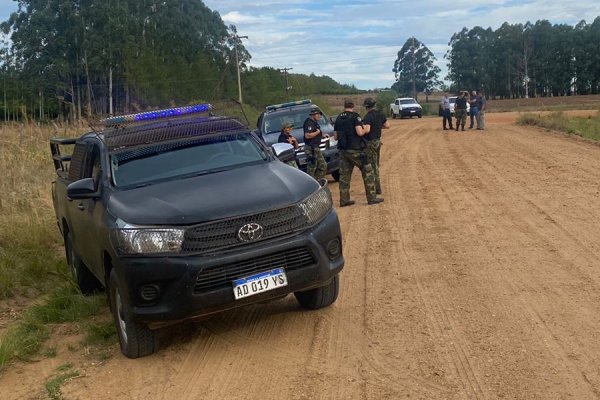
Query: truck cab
x,y
269,127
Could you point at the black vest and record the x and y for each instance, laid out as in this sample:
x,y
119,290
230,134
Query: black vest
x,y
316,141
345,125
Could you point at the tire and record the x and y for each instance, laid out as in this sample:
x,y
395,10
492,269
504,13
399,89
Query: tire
x,y
136,339
86,281
420,116
336,175
320,297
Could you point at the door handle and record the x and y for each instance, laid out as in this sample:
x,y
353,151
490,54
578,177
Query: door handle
x,y
80,206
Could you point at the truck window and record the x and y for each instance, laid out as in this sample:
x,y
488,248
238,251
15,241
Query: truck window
x,y
76,163
185,158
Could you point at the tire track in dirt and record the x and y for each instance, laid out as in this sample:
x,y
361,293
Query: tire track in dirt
x,y
531,228
441,320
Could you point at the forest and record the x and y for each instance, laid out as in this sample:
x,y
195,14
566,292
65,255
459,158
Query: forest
x,y
71,59
68,59
531,60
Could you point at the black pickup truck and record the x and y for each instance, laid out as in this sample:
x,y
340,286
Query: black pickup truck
x,y
182,213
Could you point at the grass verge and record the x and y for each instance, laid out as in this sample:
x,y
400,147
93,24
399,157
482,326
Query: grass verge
x,y
65,304
586,127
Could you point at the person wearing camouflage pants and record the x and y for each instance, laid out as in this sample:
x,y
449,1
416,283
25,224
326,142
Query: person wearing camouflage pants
x,y
317,167
373,122
351,143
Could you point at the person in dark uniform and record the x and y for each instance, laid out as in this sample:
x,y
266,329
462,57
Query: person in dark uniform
x,y
373,122
286,137
352,145
317,167
460,109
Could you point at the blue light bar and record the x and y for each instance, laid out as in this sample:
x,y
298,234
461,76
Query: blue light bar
x,y
158,114
290,104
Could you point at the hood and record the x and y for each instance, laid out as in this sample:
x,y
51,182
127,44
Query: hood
x,y
239,191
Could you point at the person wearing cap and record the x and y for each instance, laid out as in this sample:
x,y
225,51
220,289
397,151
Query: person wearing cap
x,y
286,137
373,122
317,167
352,145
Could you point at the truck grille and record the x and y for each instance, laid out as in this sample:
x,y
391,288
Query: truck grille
x,y
221,276
218,235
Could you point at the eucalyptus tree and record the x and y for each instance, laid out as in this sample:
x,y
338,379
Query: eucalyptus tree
x,y
415,68
140,52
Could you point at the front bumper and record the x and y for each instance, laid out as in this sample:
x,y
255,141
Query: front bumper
x,y
410,112
163,290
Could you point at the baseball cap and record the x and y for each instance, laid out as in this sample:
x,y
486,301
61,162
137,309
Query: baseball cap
x,y
287,124
315,111
369,102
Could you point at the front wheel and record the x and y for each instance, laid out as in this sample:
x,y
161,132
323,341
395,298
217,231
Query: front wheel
x,y
336,175
320,297
136,339
83,277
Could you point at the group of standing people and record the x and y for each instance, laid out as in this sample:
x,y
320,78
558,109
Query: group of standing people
x,y
359,142
359,145
476,101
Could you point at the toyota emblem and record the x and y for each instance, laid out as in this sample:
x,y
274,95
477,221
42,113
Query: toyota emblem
x,y
250,232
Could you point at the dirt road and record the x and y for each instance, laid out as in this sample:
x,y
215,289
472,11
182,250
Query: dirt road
x,y
478,278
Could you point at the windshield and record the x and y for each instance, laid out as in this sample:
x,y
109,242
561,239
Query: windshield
x,y
184,158
408,101
272,122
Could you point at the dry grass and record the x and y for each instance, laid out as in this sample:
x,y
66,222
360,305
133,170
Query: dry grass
x,y
29,242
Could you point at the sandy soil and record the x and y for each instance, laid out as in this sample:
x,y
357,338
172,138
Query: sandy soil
x,y
478,278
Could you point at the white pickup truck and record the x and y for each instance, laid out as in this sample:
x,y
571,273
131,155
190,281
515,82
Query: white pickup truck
x,y
405,107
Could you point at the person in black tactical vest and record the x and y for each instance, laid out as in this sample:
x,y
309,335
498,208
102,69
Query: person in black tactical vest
x,y
373,122
317,167
352,145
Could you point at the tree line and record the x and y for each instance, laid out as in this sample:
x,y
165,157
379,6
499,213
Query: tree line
x,y
81,58
518,60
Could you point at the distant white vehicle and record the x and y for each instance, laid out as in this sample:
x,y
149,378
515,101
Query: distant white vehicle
x,y
405,107
453,102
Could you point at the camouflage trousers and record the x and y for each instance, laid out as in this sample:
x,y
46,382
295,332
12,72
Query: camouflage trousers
x,y
461,117
317,167
373,151
348,160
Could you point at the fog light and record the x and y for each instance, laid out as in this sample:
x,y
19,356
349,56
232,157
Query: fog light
x,y
149,292
334,248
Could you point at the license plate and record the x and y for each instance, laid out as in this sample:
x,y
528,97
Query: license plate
x,y
259,283
412,111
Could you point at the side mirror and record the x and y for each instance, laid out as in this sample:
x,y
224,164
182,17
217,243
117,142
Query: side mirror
x,y
284,151
82,189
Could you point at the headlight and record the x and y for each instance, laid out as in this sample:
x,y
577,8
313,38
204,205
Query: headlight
x,y
317,206
149,240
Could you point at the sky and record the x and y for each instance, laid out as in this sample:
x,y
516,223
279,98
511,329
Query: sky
x,y
356,43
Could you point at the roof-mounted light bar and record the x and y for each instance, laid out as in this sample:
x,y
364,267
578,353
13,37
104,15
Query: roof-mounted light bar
x,y
155,115
290,104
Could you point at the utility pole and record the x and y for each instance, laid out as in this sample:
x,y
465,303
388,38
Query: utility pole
x,y
284,71
237,63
